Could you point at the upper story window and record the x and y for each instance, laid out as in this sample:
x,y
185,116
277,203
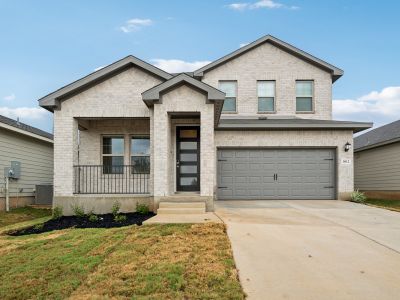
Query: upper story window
x,y
140,154
304,95
230,89
266,96
113,154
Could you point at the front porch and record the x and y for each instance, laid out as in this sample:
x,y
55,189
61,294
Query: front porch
x,y
159,157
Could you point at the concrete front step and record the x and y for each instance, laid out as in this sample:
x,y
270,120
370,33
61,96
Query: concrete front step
x,y
183,198
181,211
165,204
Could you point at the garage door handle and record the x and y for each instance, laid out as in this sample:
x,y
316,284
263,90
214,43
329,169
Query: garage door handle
x,y
328,187
222,187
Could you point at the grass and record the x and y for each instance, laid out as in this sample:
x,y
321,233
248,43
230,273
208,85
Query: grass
x,y
182,261
389,204
22,214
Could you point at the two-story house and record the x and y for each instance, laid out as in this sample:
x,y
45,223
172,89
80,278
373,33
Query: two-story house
x,y
254,124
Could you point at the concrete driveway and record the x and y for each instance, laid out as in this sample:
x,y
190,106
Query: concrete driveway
x,y
308,249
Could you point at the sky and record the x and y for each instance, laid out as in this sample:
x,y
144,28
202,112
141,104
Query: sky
x,y
45,45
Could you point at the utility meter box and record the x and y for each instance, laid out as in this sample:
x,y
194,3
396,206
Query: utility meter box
x,y
14,171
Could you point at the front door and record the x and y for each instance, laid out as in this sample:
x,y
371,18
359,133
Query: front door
x,y
188,158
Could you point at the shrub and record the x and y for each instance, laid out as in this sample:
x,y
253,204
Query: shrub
x,y
115,208
142,209
358,197
38,226
78,210
57,212
119,218
93,217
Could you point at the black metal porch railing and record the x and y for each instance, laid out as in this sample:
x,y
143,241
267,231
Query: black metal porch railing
x,y
103,179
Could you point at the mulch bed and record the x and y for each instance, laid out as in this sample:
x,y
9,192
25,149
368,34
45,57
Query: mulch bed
x,y
104,221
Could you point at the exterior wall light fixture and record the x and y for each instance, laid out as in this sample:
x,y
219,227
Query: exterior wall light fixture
x,y
347,147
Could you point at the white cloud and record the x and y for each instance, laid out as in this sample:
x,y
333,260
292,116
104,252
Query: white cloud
x,y
238,6
267,4
99,68
10,97
28,113
177,65
135,25
243,44
381,107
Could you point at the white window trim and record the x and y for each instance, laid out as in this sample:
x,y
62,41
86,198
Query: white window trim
x,y
258,98
312,111
236,98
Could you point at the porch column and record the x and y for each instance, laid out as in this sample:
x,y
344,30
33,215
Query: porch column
x,y
65,153
207,151
161,135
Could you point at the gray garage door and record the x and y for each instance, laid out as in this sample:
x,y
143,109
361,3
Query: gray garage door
x,y
276,174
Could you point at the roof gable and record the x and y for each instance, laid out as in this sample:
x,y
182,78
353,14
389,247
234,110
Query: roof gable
x,y
153,94
52,101
335,72
213,95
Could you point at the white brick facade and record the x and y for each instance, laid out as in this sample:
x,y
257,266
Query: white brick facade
x,y
268,62
115,106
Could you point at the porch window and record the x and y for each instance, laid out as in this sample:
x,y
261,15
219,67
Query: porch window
x,y
229,88
304,95
140,154
266,96
113,155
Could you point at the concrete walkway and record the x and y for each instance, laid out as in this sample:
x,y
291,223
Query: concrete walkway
x,y
183,218
314,249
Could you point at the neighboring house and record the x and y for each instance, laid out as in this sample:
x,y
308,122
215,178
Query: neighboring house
x,y
254,124
31,150
377,162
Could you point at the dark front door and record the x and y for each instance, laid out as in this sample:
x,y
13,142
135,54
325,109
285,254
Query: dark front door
x,y
188,158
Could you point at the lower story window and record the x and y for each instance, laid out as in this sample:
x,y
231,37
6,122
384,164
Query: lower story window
x,y
113,154
140,154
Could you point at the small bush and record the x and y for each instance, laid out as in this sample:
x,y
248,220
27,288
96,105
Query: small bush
x,y
93,217
115,208
358,197
38,226
120,218
57,212
142,209
78,210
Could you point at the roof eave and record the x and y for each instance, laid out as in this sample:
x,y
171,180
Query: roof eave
x,y
52,100
355,127
336,72
372,146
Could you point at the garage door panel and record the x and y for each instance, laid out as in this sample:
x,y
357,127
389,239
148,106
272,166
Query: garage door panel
x,y
302,174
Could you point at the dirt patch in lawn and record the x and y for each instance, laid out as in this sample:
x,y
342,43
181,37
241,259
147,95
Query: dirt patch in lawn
x,y
103,221
176,261
166,261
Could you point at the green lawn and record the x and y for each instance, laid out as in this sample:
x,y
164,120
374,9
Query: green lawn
x,y
22,214
390,204
148,262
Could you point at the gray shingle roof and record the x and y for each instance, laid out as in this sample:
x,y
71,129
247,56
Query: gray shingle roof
x,y
25,127
265,123
336,72
379,136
